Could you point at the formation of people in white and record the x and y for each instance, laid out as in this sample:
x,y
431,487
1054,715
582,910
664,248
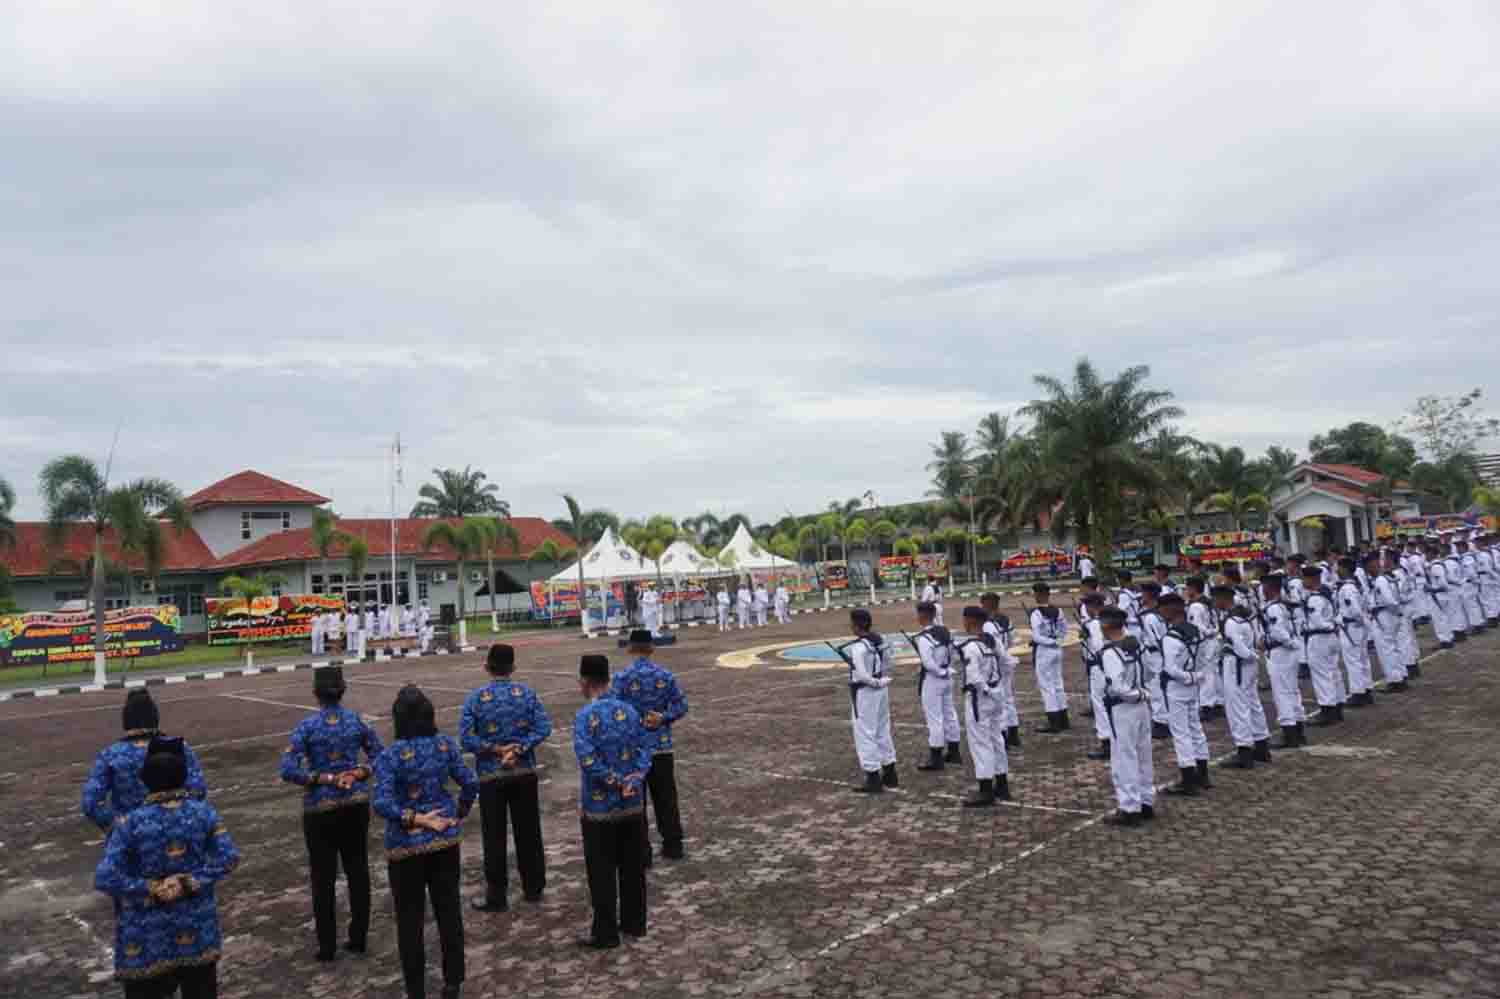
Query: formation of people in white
x,y
378,621
752,606
1161,660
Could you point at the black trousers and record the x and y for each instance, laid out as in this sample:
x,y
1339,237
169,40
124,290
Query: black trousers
x,y
518,798
197,982
335,837
413,881
661,781
613,854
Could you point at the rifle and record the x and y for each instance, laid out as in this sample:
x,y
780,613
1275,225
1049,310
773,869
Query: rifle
x,y
921,666
853,687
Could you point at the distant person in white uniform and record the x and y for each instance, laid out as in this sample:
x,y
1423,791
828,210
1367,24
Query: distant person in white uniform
x,y
762,605
651,610
783,603
742,603
932,593
318,631
721,604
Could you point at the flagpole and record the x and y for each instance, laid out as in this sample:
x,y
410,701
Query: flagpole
x,y
395,476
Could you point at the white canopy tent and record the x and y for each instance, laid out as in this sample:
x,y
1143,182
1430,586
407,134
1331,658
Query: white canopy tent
x,y
749,556
610,558
681,560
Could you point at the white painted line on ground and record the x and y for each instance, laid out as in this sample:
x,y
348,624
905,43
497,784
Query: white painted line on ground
x,y
266,700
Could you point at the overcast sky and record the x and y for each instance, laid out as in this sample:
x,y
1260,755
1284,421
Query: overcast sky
x,y
725,256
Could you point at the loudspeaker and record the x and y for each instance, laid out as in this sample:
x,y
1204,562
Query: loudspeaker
x,y
448,614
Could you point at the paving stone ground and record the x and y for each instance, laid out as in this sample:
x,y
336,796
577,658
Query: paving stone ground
x,y
1366,866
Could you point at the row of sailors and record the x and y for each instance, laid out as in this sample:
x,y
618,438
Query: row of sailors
x,y
753,607
166,847
375,621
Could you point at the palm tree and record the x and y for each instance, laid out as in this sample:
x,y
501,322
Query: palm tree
x,y
359,557
459,494
1095,432
807,537
595,523
857,532
1239,484
326,535
884,530
1454,479
949,465
468,538
1487,499
248,589
7,525
74,491
1280,461
549,551
830,529
575,516
497,531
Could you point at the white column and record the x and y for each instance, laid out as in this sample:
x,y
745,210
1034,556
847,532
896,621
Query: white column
x,y
1349,529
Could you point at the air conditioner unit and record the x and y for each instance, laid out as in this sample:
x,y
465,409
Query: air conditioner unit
x,y
148,586
439,577
476,576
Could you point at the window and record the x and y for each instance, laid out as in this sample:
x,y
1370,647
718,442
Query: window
x,y
422,581
249,517
317,584
275,587
244,525
186,597
63,596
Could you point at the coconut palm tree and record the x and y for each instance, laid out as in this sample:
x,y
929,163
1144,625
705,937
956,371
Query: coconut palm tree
x,y
1454,479
498,531
856,532
468,539
75,491
1093,434
325,537
830,529
884,530
359,558
459,494
7,525
807,538
950,466
1239,484
248,589
550,552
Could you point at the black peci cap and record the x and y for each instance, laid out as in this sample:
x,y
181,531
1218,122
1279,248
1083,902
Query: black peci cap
x,y
140,714
594,668
165,768
500,660
972,613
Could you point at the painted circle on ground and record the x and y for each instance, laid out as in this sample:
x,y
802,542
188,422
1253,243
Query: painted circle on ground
x,y
805,655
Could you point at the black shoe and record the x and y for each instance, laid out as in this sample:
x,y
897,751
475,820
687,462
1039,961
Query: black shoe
x,y
1205,713
452,991
1339,711
1102,753
1161,730
633,934
489,903
533,897
1123,819
1244,759
1445,645
1013,737
326,955
354,948
984,797
1052,727
1002,787
593,944
953,755
1399,687
673,851
1187,783
934,760
1064,720
1414,670
1363,700
1326,716
1301,731
1147,813
1202,770
888,775
1262,751
1460,636
872,783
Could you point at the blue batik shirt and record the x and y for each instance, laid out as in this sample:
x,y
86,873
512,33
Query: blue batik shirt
x,y
648,687
114,788
329,742
171,834
614,755
501,714
411,776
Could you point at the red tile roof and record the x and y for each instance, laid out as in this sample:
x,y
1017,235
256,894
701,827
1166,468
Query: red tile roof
x,y
33,556
253,487
297,546
1351,472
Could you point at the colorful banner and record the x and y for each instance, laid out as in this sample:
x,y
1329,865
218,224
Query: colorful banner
x,y
43,637
834,575
561,599
1037,560
932,565
265,619
1138,556
1417,526
895,570
1225,546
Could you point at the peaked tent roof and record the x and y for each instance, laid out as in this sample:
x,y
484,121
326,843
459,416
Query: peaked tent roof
x,y
748,554
251,486
610,558
682,559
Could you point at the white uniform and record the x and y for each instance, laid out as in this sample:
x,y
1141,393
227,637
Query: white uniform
x,y
1294,594
783,604
1130,722
1091,641
1153,628
1085,567
1180,648
332,626
1489,583
368,627
1047,634
317,632
1385,607
408,622
1406,631
998,628
651,611
1354,635
935,688
870,703
1469,564
1129,602
1283,649
1200,615
933,594
721,602
1458,611
984,708
742,604
1320,630
762,605
1440,598
1239,675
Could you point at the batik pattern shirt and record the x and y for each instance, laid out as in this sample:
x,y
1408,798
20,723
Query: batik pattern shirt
x,y
648,687
172,833
411,777
503,713
614,755
328,742
114,788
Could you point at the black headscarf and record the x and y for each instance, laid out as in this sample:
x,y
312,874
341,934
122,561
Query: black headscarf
x,y
165,768
413,714
140,714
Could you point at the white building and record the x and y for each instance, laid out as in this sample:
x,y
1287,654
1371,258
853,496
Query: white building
x,y
1343,498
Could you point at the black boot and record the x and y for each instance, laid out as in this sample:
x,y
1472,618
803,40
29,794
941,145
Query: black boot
x,y
934,760
1338,710
1161,730
1326,715
872,783
1123,819
1203,782
1148,813
452,991
1399,687
1013,737
1053,726
984,797
1244,758
489,903
1063,720
1363,700
1206,713
1187,783
1262,751
1102,753
1002,787
1414,670
953,754
1301,735
888,775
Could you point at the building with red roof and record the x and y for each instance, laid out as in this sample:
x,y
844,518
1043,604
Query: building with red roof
x,y
252,523
1348,501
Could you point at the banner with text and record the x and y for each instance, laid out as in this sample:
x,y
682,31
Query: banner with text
x,y
834,575
43,637
1225,546
549,600
233,621
932,565
895,570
